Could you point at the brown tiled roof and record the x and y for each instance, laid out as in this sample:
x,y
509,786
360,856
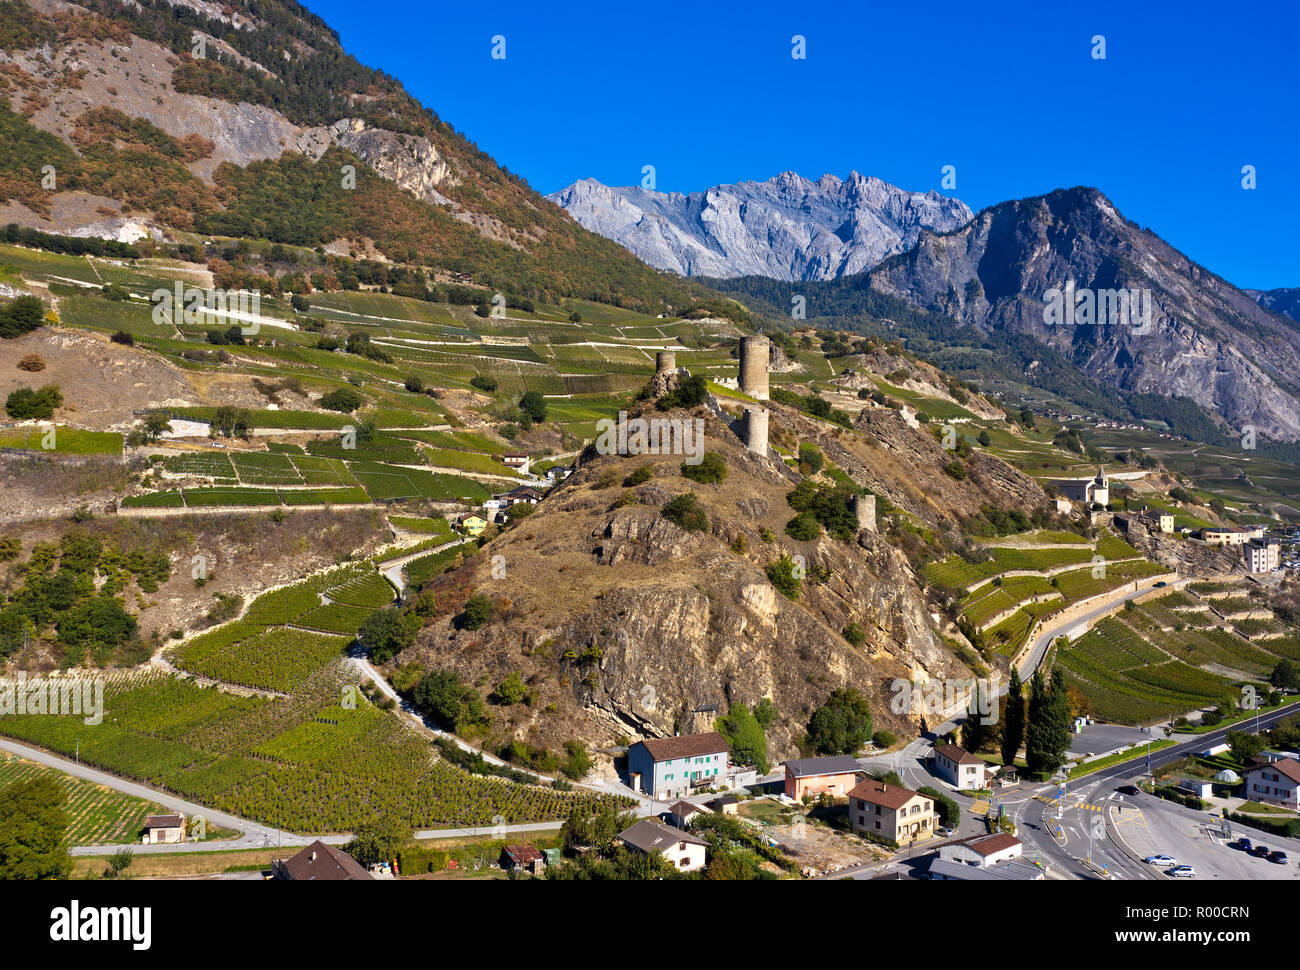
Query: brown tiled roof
x,y
164,821
878,793
651,836
1287,766
322,862
683,808
685,746
986,845
957,755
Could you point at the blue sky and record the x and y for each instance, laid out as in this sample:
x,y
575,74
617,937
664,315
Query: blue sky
x,y
1187,95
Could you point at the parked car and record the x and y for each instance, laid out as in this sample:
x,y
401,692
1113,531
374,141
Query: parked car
x,y
1129,790
1244,845
1182,872
1261,851
1160,860
1279,857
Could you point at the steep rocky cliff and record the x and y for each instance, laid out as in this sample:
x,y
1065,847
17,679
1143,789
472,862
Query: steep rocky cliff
x,y
622,623
1206,340
788,228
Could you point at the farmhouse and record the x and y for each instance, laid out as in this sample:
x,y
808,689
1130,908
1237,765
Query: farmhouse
x,y
164,828
983,851
1275,784
471,524
814,776
680,813
517,460
683,850
892,813
319,863
959,768
674,767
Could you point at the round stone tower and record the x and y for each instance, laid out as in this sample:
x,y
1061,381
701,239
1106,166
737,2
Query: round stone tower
x,y
756,430
665,362
754,354
864,507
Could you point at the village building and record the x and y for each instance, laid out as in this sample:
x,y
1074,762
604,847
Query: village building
x,y
1262,555
680,813
517,460
983,851
892,813
960,768
163,829
1277,783
471,524
685,851
1086,490
674,767
319,862
815,776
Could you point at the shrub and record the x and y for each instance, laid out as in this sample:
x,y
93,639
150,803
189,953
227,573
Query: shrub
x,y
483,383
712,469
387,632
855,635
25,404
21,315
509,691
124,338
842,725
884,739
344,399
685,512
642,475
414,384
811,455
956,469
32,363
782,575
477,612
803,527
533,405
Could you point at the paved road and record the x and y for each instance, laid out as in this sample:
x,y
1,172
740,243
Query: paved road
x,y
1039,647
1131,829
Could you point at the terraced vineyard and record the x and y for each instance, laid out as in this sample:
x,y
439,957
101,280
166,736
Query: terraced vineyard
x,y
96,815
1129,681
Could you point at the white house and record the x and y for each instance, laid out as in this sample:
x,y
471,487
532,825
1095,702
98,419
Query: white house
x,y
983,851
1275,784
675,767
683,850
959,768
1262,555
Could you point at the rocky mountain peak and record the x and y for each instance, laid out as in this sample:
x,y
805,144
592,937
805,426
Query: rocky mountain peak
x,y
788,227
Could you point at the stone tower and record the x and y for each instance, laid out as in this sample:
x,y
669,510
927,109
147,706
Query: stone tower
x,y
665,361
754,354
864,507
756,430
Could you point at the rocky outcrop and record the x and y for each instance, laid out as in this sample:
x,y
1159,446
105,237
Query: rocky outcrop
x,y
787,228
1206,340
621,623
410,161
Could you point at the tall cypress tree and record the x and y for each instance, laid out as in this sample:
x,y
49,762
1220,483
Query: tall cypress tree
x,y
1036,730
1013,720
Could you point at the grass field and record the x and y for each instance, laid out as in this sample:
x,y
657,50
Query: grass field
x,y
62,440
